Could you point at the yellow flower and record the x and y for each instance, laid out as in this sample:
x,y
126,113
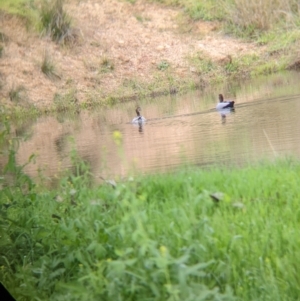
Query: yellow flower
x,y
163,250
117,136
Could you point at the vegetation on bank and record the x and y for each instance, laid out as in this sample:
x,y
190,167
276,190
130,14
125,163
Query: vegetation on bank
x,y
272,24
215,234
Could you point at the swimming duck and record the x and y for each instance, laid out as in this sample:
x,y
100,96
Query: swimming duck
x,y
224,104
139,118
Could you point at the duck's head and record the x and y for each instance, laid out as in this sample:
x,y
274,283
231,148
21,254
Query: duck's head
x,y
221,98
138,110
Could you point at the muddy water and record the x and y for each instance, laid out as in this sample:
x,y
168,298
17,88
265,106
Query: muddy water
x,y
179,130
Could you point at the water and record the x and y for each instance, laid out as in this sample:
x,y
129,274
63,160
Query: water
x,y
180,130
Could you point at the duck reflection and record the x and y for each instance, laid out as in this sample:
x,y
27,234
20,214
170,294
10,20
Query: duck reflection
x,y
141,128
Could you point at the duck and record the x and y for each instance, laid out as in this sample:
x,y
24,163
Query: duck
x,y
139,119
224,104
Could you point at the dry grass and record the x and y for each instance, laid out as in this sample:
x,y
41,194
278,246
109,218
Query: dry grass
x,y
261,15
116,46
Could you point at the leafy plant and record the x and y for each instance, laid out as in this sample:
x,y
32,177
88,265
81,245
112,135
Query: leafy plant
x,y
163,65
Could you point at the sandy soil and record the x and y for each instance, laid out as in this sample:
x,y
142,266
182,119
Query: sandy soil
x,y
135,38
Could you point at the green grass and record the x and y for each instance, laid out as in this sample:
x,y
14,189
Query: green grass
x,y
248,18
274,24
16,6
155,237
25,9
48,16
1,50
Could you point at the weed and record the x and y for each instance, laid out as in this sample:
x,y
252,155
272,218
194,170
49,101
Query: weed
x,y
111,101
106,65
163,65
249,59
202,63
269,67
3,37
48,67
141,18
204,10
16,93
64,102
258,15
56,21
232,67
3,40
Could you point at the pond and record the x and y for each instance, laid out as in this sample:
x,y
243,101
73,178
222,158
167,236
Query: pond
x,y
180,129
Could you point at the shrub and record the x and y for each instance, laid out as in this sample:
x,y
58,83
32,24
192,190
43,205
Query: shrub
x,y
56,21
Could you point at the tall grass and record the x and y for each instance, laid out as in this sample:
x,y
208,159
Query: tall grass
x,y
251,16
243,17
48,67
56,21
158,237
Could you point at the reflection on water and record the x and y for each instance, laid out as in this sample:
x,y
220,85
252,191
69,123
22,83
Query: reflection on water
x,y
179,130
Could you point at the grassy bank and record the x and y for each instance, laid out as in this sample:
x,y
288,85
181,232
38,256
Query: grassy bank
x,y
219,234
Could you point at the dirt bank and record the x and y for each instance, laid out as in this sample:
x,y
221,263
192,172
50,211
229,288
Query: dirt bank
x,y
119,45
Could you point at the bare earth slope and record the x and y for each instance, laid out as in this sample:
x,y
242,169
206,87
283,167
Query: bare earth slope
x,y
133,38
